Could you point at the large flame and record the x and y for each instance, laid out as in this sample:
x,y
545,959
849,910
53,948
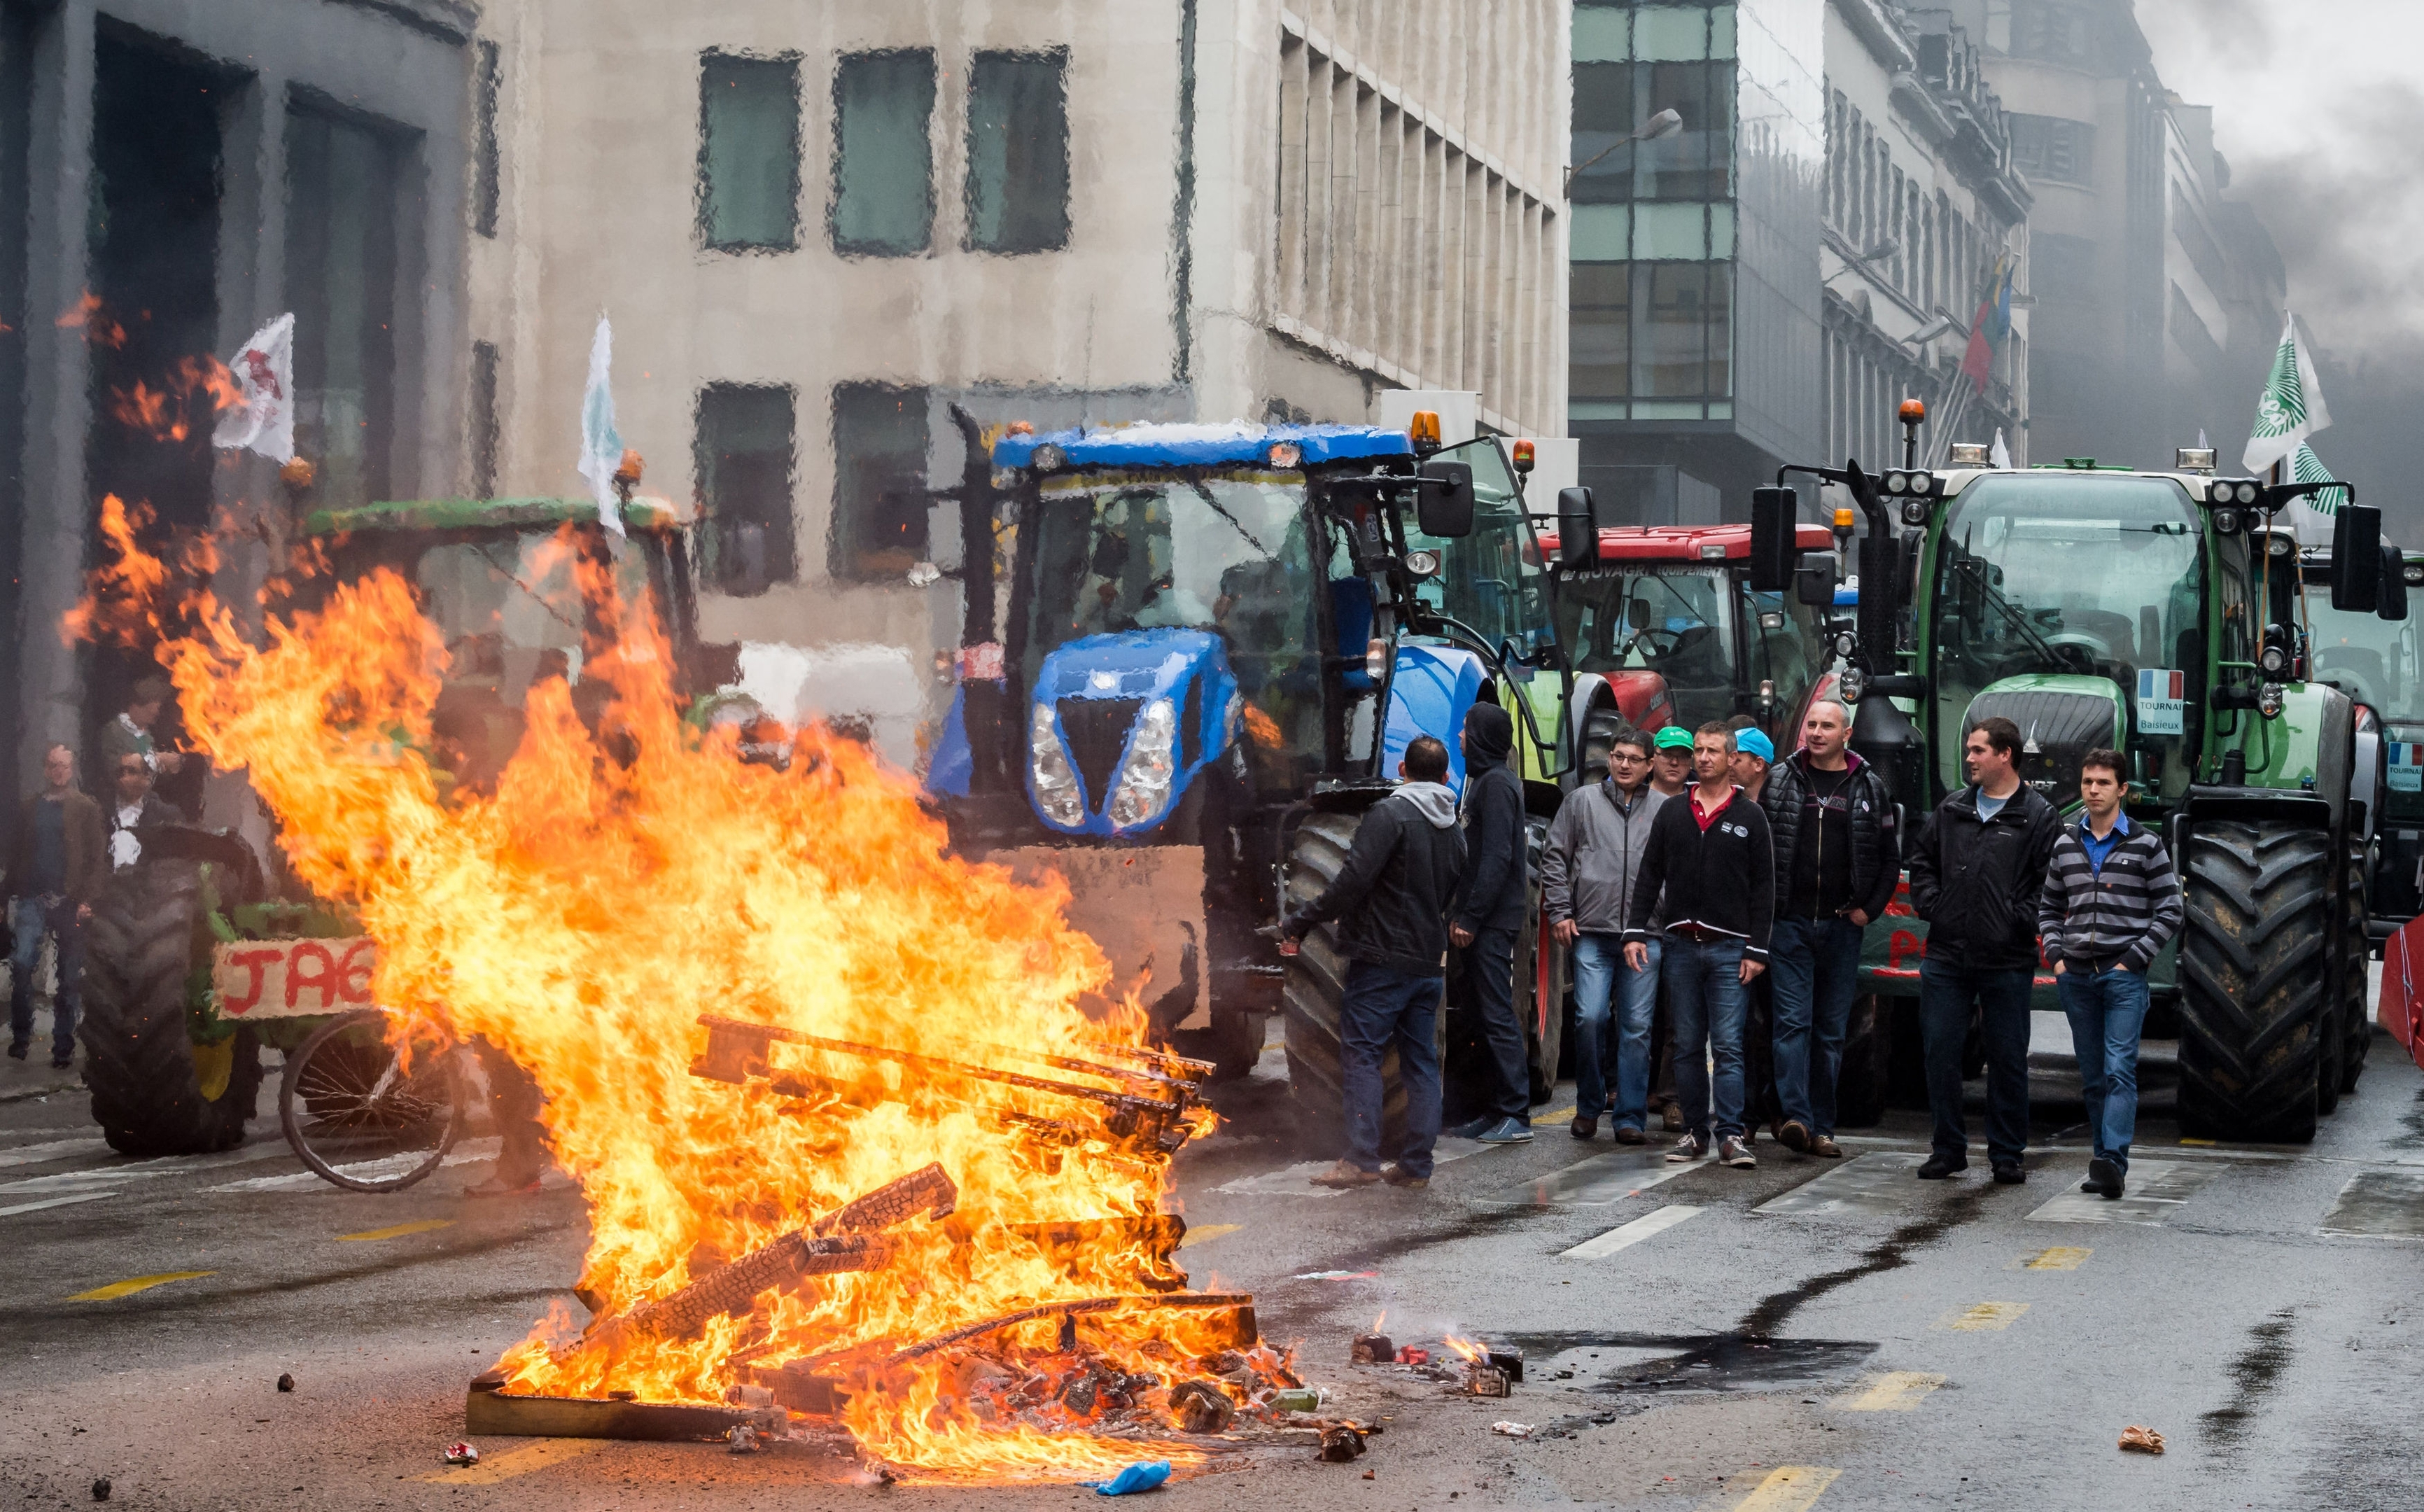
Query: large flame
x,y
615,888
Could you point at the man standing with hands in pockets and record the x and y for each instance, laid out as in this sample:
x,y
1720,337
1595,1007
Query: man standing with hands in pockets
x,y
2111,901
1587,874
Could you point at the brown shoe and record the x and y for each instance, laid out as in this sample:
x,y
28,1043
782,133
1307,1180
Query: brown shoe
x,y
1824,1145
1585,1125
1627,1134
1673,1115
1346,1175
1395,1175
1794,1136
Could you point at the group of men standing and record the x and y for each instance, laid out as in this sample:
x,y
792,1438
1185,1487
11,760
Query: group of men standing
x,y
1704,882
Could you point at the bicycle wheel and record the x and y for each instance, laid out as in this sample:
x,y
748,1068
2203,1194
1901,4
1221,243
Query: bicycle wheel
x,y
363,1116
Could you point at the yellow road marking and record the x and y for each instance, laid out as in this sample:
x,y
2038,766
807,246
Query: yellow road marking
x,y
1548,1120
1208,1232
1895,1391
2206,1143
1785,1488
513,1462
1986,1318
396,1230
2060,1257
140,1284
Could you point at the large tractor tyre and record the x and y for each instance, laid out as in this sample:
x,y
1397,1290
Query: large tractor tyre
x,y
2356,980
2255,973
1601,728
1232,1041
154,1092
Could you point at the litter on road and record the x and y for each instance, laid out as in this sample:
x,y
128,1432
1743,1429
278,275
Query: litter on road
x,y
2141,1440
1145,1475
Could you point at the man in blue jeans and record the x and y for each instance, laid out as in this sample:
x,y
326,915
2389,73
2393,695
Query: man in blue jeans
x,y
2111,901
1709,870
1837,858
60,860
1391,899
1588,870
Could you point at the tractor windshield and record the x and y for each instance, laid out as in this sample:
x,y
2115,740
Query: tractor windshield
x,y
2373,660
1671,620
1492,581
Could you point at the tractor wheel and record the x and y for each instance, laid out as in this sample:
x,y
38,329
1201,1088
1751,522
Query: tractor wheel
x,y
154,1092
1235,1042
2356,983
2254,974
1601,728
1315,986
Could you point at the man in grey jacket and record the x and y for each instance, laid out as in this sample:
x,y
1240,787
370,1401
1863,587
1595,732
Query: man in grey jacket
x,y
1588,872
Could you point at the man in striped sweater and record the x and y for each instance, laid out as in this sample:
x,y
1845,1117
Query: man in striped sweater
x,y
2111,901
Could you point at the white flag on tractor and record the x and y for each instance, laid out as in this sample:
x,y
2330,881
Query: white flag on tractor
x,y
2292,406
2001,457
601,444
2314,516
264,370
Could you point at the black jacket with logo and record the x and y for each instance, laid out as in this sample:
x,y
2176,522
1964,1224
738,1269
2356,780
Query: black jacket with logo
x,y
1976,882
1721,879
1876,847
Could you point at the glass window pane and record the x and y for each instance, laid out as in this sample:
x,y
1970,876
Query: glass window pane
x,y
1018,152
883,159
1670,32
1599,234
1670,230
1695,162
1721,31
1671,347
1721,230
1599,34
1600,336
1602,118
342,185
745,478
1720,302
749,151
880,501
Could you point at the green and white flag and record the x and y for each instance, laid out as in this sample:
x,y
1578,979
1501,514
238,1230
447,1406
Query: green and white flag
x,y
2292,406
2312,517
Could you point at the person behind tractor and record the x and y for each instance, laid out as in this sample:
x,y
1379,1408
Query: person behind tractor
x,y
1391,899
1710,870
2110,903
1976,871
1670,774
135,807
55,872
1754,753
1838,856
1670,761
1588,870
1485,927
132,731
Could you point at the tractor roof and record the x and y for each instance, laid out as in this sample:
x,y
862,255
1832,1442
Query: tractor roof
x,y
1200,446
642,512
1688,543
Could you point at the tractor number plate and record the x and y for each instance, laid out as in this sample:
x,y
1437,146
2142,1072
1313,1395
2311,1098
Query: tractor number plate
x,y
289,978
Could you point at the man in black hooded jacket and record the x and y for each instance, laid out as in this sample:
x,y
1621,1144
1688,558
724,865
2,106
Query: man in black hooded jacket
x,y
1492,916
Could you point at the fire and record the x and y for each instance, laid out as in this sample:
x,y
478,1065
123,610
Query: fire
x,y
618,887
127,601
1471,1349
198,388
98,329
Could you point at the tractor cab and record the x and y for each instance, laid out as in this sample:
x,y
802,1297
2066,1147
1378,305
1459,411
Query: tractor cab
x,y
2375,658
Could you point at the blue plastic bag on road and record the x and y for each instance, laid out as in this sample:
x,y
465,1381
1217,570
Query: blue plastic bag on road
x,y
1145,1475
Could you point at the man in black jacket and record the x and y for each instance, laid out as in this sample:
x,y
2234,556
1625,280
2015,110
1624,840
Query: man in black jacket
x,y
1492,916
1837,860
1391,899
1975,874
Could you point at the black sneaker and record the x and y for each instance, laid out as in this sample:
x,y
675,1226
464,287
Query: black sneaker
x,y
2010,1174
1794,1136
1689,1148
2103,1176
1940,1166
1735,1151
17,1051
1471,1128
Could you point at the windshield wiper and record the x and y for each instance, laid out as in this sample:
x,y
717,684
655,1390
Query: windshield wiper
x,y
1223,511
2020,621
507,573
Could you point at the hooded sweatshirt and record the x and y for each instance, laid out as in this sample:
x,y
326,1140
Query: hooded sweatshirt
x,y
1392,896
1493,823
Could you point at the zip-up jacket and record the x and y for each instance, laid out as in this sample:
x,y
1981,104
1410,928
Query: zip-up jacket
x,y
1721,879
1495,839
1877,846
1976,882
1392,898
2122,912
1593,855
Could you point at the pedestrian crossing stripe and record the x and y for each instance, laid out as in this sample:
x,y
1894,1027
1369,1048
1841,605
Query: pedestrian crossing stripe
x,y
140,1284
1985,1317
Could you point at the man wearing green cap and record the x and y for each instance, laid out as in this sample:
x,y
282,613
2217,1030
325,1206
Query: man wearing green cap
x,y
1670,764
1670,774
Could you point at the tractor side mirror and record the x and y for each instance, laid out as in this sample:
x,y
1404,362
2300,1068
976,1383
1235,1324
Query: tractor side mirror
x,y
1577,529
2394,584
1814,583
1443,501
1775,522
2356,559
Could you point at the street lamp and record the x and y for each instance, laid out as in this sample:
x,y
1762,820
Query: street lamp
x,y
1664,124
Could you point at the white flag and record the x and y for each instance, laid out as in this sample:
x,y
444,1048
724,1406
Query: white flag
x,y
264,370
2002,455
2312,515
2292,406
601,444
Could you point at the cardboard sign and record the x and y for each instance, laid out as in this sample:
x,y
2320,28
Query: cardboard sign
x,y
289,978
2162,702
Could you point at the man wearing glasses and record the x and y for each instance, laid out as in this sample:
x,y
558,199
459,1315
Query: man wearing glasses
x,y
1588,873
134,807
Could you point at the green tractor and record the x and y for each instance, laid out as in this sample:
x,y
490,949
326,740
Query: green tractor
x,y
174,1070
2161,614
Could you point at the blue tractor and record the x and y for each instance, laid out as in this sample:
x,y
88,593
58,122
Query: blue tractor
x,y
1218,642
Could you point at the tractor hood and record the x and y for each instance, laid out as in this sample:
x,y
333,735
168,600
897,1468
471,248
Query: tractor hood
x,y
2061,717
1150,708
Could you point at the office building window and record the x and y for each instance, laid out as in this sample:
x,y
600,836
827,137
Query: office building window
x,y
2056,32
343,182
743,459
880,501
1650,330
486,165
1614,98
749,153
884,155
2053,150
1599,333
486,431
1018,152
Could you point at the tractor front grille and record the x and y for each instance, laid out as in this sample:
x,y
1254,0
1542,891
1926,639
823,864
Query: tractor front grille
x,y
2061,726
1096,730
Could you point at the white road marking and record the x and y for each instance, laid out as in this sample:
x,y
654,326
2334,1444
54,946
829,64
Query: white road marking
x,y
34,1155
1879,1183
68,1180
2379,1203
395,1165
1296,1180
1630,1234
54,1202
2151,1193
1598,1179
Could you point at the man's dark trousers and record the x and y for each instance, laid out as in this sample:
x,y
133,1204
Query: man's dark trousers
x,y
1490,975
1381,1008
1815,963
33,918
1946,990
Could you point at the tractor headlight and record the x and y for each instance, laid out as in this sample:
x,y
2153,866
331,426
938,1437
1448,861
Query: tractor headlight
x,y
2274,660
2246,493
2269,701
2227,522
1142,791
1422,563
1047,767
1846,645
1850,683
1914,511
1896,482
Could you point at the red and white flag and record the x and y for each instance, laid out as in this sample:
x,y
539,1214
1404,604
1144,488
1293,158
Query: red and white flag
x,y
264,375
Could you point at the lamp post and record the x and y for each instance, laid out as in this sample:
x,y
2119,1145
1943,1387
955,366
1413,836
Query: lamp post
x,y
1664,124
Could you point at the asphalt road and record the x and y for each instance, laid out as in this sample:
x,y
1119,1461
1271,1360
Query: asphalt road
x,y
1835,1335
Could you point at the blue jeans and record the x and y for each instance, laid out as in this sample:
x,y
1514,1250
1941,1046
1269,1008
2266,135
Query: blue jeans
x,y
1381,1008
2107,1008
1599,968
31,920
1946,990
1704,992
1815,969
